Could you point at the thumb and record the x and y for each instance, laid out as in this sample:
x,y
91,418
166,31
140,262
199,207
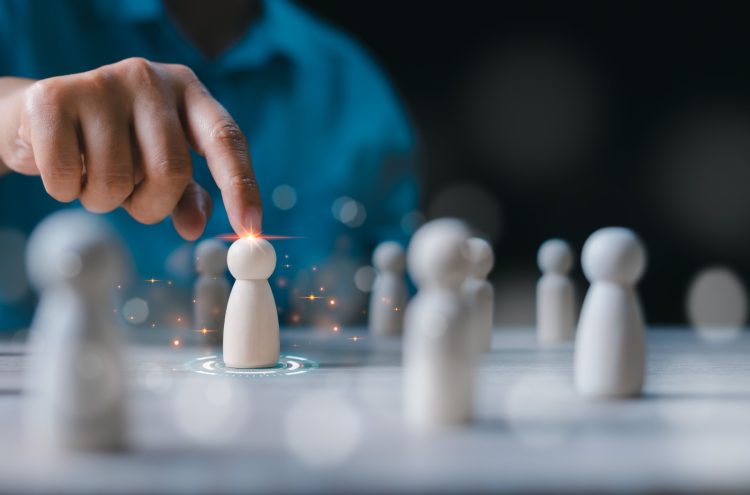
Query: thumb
x,y
192,212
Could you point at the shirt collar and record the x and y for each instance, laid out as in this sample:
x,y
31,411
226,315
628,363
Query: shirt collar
x,y
278,33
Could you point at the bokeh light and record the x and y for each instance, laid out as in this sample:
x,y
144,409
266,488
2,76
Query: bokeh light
x,y
540,411
348,211
284,197
322,429
135,311
364,278
209,411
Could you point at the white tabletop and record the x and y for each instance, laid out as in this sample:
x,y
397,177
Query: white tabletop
x,y
331,421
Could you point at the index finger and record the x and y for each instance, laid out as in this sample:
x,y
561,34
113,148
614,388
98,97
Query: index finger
x,y
215,135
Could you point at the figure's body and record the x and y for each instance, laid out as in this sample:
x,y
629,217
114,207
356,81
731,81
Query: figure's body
x,y
251,325
610,343
211,291
479,293
76,383
555,294
388,297
439,351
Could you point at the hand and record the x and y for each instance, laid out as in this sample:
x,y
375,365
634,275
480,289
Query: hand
x,y
119,135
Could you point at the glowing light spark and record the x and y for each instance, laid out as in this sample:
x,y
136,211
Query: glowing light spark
x,y
176,343
205,331
119,286
253,235
315,268
332,302
194,301
179,319
335,328
295,318
322,289
311,297
169,282
153,325
287,266
286,256
354,339
396,308
152,280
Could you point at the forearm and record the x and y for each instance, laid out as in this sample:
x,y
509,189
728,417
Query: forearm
x,y
10,89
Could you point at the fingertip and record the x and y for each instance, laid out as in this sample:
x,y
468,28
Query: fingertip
x,y
254,219
246,219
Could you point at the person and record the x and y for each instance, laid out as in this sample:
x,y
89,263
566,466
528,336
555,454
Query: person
x,y
225,116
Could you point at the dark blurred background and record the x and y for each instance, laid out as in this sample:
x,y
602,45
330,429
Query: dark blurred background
x,y
552,119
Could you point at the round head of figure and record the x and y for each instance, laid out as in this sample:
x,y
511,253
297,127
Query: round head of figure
x,y
211,257
251,258
481,257
76,248
614,254
389,256
555,256
437,254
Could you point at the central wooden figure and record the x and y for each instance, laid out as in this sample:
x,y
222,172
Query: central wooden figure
x,y
251,325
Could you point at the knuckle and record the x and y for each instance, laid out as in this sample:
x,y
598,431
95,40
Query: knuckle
x,y
184,72
141,71
243,183
64,172
173,169
44,94
62,181
118,187
100,80
226,132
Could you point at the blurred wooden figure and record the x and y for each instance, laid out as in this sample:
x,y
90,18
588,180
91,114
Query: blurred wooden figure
x,y
211,291
555,293
388,297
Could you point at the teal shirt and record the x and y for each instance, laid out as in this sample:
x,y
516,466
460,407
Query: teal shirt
x,y
319,115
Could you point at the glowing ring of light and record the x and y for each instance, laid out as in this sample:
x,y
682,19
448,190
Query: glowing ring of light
x,y
287,365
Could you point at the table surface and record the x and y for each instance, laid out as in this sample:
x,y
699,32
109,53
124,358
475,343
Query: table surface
x,y
332,421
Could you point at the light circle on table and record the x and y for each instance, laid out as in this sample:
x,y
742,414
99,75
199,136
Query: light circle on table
x,y
287,365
